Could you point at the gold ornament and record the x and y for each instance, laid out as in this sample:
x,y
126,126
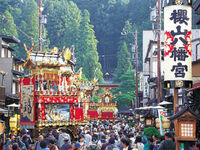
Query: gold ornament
x,y
178,2
54,50
67,54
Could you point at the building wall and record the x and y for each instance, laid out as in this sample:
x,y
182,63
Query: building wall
x,y
150,67
6,66
196,69
195,44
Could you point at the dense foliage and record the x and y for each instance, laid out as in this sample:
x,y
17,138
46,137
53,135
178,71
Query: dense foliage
x,y
109,17
125,94
67,25
124,63
150,131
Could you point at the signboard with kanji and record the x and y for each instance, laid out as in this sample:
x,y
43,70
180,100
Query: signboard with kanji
x,y
178,50
161,115
27,101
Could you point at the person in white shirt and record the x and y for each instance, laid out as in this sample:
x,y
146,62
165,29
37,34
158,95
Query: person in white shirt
x,y
139,144
132,139
88,139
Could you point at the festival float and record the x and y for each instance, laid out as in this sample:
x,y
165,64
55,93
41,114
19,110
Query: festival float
x,y
49,96
104,110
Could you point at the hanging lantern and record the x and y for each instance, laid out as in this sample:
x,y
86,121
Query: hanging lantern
x,y
166,123
141,118
148,121
13,122
157,123
137,116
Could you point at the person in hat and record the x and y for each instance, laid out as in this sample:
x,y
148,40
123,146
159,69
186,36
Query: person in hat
x,y
66,145
37,143
61,137
77,146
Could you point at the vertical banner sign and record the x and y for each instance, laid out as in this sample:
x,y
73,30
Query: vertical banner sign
x,y
27,101
178,50
146,86
161,115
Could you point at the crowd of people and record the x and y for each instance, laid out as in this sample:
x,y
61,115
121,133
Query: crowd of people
x,y
95,136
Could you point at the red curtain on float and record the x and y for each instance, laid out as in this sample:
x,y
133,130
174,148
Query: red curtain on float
x,y
42,112
71,112
93,114
107,115
79,114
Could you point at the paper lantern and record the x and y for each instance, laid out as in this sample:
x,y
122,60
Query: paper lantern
x,y
157,123
166,123
13,122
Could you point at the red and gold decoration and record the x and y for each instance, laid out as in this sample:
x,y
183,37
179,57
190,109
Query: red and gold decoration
x,y
105,110
50,96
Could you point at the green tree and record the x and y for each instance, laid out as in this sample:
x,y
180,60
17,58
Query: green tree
x,y
67,25
123,62
28,25
125,96
128,35
5,4
64,19
150,131
87,55
108,18
7,25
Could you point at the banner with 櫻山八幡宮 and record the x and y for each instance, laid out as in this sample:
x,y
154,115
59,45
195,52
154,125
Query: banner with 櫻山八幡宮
x,y
178,49
27,101
161,115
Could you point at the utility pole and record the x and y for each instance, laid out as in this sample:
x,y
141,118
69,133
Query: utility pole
x,y
136,70
158,52
40,26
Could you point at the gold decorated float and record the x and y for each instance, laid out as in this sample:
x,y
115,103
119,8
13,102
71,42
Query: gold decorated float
x,y
104,110
52,96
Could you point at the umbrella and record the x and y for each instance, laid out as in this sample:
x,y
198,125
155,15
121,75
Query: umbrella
x,y
14,105
157,107
165,103
138,108
3,110
144,108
